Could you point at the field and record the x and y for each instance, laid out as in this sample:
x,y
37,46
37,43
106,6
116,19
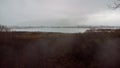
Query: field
x,y
60,50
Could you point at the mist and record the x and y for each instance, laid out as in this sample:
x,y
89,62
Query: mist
x,y
56,12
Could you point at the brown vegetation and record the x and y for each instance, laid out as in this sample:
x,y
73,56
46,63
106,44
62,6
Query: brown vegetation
x,y
58,50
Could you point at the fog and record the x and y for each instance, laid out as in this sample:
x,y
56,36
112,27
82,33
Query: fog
x,y
58,12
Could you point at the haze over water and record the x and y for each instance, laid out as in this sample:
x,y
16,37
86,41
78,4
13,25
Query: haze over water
x,y
61,30
57,13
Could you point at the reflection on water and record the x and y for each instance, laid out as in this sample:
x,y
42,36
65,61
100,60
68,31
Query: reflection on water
x,y
63,30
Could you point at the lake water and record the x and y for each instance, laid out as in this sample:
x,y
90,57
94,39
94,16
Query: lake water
x,y
62,30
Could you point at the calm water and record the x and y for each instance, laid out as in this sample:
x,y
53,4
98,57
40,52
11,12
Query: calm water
x,y
63,30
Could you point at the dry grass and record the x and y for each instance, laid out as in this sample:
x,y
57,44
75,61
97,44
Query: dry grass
x,y
58,50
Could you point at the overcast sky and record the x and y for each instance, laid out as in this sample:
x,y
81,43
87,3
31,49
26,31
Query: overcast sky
x,y
58,12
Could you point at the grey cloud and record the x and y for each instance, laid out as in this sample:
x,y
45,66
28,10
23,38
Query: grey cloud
x,y
50,12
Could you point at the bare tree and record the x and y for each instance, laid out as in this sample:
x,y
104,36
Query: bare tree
x,y
115,4
4,28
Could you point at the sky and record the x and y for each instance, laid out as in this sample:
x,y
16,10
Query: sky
x,y
58,12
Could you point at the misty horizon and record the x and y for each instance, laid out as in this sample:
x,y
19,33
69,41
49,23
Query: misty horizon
x,y
58,13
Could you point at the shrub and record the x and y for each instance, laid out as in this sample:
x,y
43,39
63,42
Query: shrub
x,y
4,28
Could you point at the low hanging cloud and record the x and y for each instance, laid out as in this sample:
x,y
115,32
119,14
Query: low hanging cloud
x,y
57,12
107,17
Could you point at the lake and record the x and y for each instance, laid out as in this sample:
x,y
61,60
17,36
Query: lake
x,y
62,30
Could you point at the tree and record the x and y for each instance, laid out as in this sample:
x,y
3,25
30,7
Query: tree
x,y
115,4
4,28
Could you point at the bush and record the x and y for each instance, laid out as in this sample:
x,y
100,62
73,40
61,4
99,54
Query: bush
x,y
4,28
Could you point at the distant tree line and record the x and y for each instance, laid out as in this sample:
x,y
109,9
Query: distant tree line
x,y
4,28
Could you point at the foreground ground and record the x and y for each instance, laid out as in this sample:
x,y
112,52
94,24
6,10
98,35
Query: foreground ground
x,y
60,50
